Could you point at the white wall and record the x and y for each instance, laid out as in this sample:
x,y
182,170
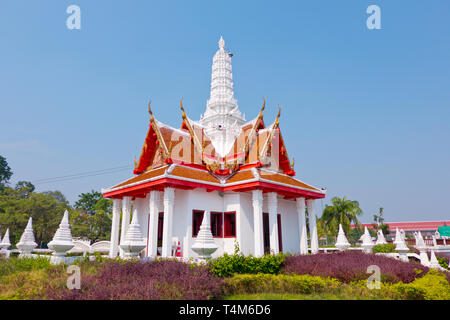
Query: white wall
x,y
198,199
289,225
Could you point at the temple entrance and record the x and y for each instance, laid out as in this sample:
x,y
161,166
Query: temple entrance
x,y
160,232
266,233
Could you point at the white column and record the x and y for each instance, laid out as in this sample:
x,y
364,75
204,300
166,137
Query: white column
x,y
272,204
153,226
302,225
113,249
257,199
312,226
169,196
126,211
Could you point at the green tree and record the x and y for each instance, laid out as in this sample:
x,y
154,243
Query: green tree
x,y
25,188
88,202
15,210
5,172
57,195
342,211
379,222
92,219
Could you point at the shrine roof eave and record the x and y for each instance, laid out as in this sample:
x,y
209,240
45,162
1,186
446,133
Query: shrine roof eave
x,y
160,182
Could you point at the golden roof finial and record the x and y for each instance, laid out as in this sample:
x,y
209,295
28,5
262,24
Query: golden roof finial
x,y
264,104
135,162
277,122
184,113
150,109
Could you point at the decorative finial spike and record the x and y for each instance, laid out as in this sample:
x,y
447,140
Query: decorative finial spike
x,y
149,109
221,43
277,122
264,104
182,109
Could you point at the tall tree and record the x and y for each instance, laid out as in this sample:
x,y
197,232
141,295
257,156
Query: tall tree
x,y
379,224
342,211
25,188
5,172
15,210
92,219
87,202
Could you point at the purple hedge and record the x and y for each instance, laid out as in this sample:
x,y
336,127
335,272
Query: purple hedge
x,y
352,266
154,280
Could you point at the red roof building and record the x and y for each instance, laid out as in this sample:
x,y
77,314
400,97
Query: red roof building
x,y
237,171
427,228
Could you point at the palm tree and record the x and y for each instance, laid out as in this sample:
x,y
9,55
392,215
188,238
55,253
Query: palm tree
x,y
342,211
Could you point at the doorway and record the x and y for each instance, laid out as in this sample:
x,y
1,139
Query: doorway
x,y
266,233
160,232
280,236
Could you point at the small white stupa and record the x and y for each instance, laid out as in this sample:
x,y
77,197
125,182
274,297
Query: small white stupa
x,y
5,244
27,242
380,238
204,244
367,243
342,242
400,246
62,240
133,242
421,246
434,263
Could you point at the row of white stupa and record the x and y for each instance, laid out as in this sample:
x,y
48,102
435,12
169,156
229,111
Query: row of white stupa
x,y
131,246
62,241
400,245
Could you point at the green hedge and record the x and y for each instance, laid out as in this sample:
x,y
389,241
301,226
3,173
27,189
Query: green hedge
x,y
228,265
432,286
384,248
281,283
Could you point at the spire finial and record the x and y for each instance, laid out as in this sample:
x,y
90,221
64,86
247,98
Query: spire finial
x,y
277,122
221,43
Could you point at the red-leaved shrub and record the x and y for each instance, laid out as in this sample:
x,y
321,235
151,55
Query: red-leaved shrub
x,y
155,280
352,266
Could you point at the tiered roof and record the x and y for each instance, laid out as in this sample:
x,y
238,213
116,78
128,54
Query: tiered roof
x,y
219,152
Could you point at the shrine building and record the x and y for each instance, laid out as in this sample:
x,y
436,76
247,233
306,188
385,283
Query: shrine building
x,y
237,171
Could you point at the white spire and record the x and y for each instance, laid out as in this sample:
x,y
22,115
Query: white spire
x,y
222,117
204,244
434,263
367,243
62,240
420,243
5,242
342,242
133,242
27,242
380,237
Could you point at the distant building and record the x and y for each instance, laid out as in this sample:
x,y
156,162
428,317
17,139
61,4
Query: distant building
x,y
427,228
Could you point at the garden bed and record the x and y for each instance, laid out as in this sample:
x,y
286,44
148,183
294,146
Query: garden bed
x,y
322,276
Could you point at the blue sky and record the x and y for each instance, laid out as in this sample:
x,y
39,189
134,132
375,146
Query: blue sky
x,y
365,113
